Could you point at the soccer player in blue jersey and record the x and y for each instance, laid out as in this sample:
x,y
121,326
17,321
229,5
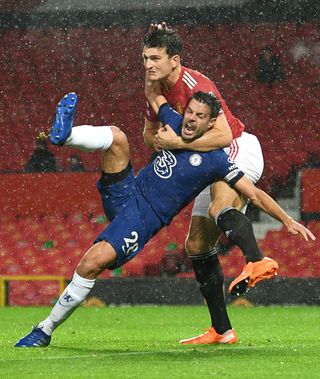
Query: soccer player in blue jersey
x,y
138,207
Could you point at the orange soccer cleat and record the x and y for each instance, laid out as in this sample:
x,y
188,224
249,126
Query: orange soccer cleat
x,y
210,336
253,272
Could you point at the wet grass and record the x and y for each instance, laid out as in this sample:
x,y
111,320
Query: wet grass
x,y
141,342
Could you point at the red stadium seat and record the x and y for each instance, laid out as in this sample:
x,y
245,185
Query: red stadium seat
x,y
45,64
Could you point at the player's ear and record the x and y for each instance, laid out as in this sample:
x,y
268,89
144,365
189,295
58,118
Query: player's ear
x,y
212,122
175,59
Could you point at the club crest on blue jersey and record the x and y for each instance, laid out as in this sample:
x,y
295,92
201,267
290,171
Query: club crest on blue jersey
x,y
164,163
195,160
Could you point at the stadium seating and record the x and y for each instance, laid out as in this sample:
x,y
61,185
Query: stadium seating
x,y
54,246
39,66
45,64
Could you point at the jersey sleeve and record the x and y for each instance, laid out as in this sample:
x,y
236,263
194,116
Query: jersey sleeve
x,y
168,116
224,167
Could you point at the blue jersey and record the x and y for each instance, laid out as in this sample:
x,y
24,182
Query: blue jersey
x,y
175,178
138,207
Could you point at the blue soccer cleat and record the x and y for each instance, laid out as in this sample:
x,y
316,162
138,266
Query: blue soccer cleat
x,y
62,124
36,338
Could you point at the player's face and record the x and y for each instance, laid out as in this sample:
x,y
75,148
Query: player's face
x,y
157,63
196,121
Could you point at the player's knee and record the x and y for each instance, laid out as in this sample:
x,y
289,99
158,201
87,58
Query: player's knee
x,y
202,237
87,269
95,261
119,137
217,206
222,197
195,245
213,211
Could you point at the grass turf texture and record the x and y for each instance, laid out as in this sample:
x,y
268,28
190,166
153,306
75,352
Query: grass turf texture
x,y
142,342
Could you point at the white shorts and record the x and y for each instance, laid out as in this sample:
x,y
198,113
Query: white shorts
x,y
246,152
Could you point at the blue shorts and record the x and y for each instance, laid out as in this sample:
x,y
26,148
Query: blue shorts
x,y
133,221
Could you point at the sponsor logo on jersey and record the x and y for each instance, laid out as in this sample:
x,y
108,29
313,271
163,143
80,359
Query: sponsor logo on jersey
x,y
195,160
232,167
189,80
130,244
164,163
233,164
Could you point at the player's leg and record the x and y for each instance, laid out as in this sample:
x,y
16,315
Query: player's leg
x,y
200,248
202,237
110,139
209,275
239,230
116,158
84,137
226,202
225,207
99,256
114,163
96,260
116,181
200,244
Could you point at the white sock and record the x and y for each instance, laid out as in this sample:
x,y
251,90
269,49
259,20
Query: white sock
x,y
73,295
90,138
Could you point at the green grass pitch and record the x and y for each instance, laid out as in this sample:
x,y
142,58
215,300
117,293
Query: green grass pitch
x,y
142,342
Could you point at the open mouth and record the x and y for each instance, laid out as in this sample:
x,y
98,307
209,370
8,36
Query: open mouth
x,y
188,130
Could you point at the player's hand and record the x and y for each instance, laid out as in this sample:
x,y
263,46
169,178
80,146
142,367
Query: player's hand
x,y
151,88
156,145
154,26
294,227
166,138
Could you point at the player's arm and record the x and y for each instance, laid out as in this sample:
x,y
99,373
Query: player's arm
x,y
150,130
154,96
263,201
169,118
153,93
216,138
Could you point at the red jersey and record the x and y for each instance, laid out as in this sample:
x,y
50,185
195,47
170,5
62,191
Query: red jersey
x,y
189,82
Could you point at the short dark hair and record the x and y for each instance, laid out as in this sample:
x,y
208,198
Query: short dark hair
x,y
210,100
164,38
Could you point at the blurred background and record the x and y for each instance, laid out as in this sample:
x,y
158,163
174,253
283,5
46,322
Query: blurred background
x,y
49,48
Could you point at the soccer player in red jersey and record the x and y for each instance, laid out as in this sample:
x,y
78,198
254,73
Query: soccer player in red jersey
x,y
216,208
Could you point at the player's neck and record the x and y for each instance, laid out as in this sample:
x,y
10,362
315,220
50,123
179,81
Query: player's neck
x,y
172,79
